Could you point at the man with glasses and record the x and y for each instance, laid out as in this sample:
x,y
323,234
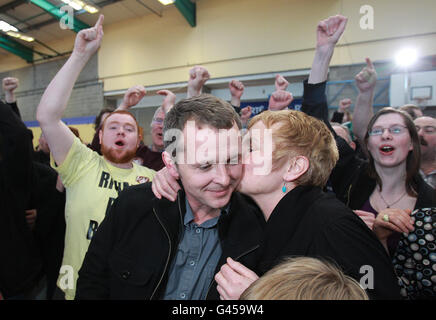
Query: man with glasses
x,y
426,127
151,156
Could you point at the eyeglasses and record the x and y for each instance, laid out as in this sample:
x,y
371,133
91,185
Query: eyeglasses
x,y
158,120
426,129
396,130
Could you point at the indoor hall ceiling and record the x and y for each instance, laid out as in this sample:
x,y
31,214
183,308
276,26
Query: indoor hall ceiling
x,y
31,20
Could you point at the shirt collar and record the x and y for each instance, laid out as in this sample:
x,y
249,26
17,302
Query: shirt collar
x,y
189,216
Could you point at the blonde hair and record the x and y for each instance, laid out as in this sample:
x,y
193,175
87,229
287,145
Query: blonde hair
x,y
297,134
304,278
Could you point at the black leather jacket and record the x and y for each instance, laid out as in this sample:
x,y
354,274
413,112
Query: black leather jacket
x,y
131,254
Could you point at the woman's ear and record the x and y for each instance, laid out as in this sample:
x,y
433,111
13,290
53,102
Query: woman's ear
x,y
297,167
170,165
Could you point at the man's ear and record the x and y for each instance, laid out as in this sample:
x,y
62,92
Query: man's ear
x,y
297,167
170,164
100,135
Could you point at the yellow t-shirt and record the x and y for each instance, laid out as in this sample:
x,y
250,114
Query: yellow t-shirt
x,y
92,184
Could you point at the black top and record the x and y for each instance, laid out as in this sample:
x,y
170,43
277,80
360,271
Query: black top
x,y
309,222
20,262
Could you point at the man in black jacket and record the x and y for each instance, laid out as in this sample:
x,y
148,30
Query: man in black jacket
x,y
20,266
149,248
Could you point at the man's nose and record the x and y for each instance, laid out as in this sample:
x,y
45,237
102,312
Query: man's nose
x,y
222,175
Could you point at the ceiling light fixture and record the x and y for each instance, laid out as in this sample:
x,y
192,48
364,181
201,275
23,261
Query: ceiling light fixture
x,y
166,2
406,57
79,5
20,36
5,27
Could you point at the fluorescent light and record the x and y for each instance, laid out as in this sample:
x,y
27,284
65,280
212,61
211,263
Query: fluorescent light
x,y
79,5
26,38
90,9
20,36
5,27
166,2
406,57
72,4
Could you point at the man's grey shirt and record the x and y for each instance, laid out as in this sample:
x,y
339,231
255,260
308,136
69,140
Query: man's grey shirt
x,y
193,267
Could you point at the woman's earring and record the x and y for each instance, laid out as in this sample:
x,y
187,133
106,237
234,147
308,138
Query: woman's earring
x,y
284,187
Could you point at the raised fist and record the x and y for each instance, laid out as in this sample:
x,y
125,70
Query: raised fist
x,y
280,100
169,100
281,83
245,115
198,76
236,88
330,30
344,104
9,84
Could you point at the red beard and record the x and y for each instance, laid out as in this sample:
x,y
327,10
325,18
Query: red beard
x,y
118,156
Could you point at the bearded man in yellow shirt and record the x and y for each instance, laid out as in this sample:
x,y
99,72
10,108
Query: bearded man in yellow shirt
x,y
92,181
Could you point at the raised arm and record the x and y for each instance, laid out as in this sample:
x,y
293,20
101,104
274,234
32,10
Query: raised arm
x,y
363,110
280,99
198,76
236,90
281,83
169,100
9,85
55,98
132,97
328,33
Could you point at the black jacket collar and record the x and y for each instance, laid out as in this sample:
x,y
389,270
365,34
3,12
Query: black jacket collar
x,y
285,221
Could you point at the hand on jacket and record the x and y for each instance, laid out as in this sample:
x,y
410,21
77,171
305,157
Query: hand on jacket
x,y
165,185
367,217
31,218
233,279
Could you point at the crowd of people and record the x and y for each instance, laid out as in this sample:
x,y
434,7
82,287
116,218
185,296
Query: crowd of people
x,y
222,205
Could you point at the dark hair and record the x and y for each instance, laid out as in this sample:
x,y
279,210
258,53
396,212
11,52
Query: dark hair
x,y
413,161
97,121
204,109
410,109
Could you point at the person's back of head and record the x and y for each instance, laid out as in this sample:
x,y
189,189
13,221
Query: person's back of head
x,y
413,110
305,278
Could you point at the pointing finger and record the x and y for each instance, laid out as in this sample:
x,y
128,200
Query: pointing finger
x,y
99,21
